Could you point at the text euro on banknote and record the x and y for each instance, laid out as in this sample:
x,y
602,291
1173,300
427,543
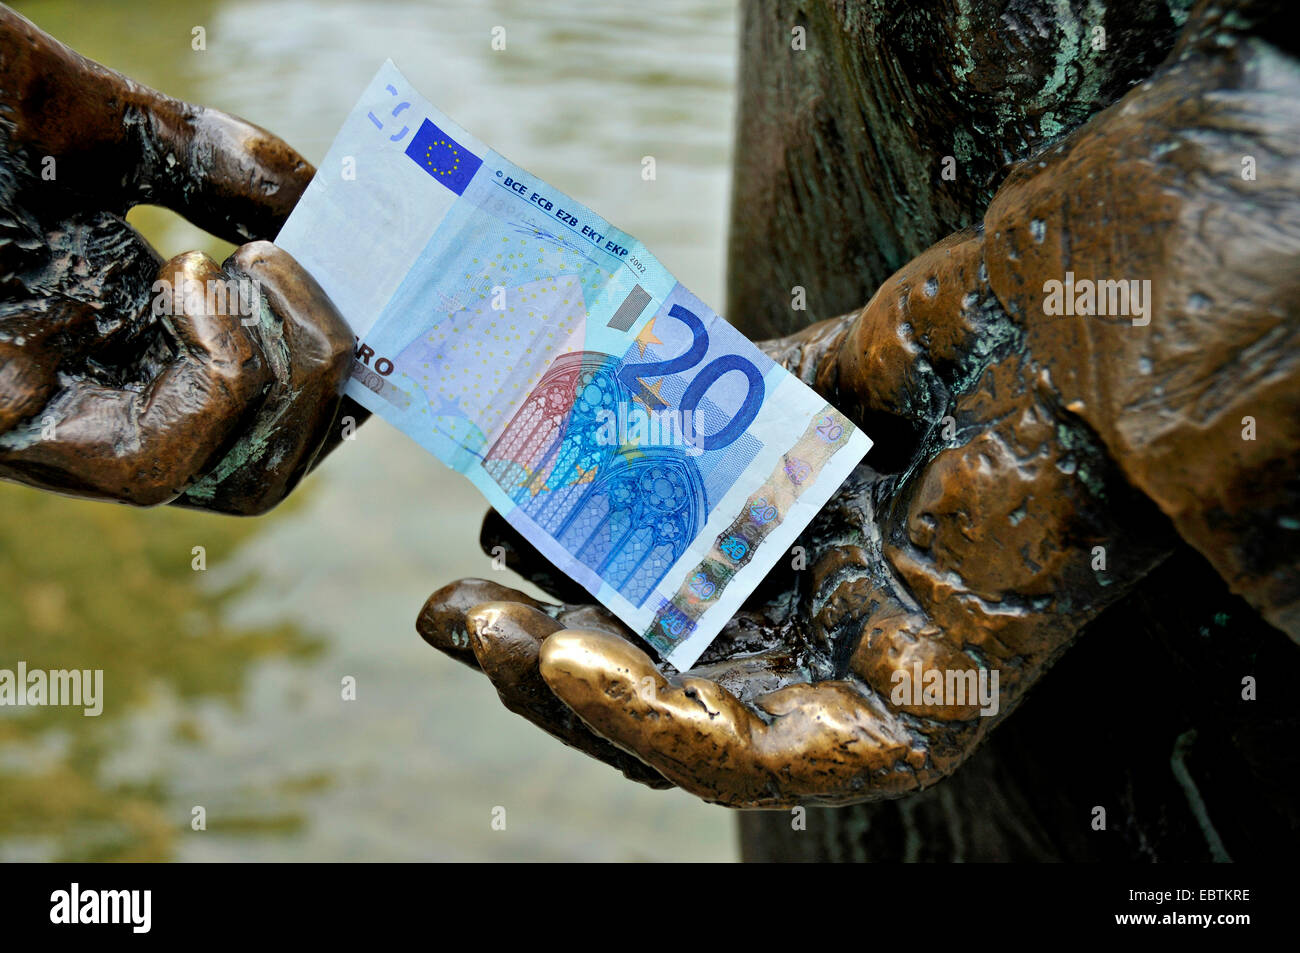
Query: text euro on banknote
x,y
640,442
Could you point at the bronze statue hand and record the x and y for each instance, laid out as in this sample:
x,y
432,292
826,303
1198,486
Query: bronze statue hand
x,y
1029,470
114,381
945,551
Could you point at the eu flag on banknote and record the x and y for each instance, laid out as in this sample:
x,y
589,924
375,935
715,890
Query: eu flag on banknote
x,y
445,159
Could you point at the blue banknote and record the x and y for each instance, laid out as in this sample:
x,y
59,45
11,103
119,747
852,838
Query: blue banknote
x,y
640,442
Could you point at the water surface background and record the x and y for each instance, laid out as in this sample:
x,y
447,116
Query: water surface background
x,y
223,687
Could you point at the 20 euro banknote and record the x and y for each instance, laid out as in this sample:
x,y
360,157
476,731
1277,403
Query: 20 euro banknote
x,y
640,442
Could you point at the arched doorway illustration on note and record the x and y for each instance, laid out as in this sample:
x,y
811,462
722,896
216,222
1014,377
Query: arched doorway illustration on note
x,y
627,512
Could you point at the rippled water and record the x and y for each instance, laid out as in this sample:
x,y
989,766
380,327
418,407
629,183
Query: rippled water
x,y
223,687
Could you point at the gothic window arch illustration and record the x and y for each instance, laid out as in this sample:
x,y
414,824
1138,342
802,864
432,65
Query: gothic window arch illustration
x,y
636,520
626,512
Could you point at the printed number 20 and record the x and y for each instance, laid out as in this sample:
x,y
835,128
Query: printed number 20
x,y
705,379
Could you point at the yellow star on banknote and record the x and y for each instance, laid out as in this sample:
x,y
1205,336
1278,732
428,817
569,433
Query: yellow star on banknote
x,y
647,337
535,482
652,391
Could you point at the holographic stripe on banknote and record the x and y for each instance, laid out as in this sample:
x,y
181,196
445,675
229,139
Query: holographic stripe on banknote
x,y
733,549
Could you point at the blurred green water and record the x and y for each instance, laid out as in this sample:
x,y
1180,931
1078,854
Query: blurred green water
x,y
223,687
